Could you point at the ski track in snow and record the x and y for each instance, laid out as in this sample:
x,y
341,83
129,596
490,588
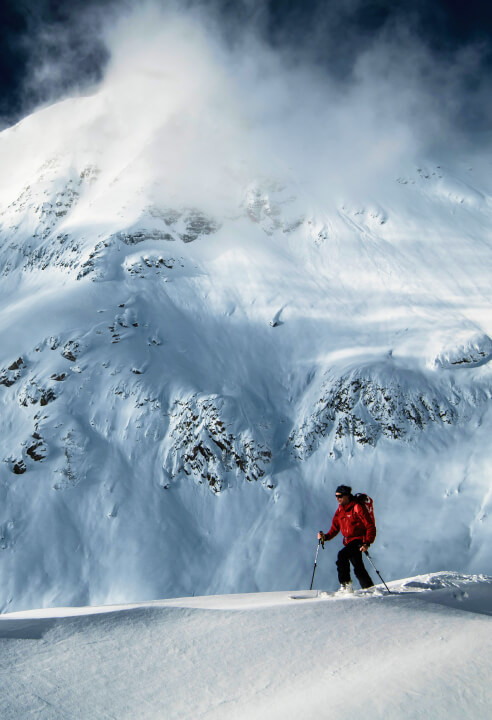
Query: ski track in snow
x,y
423,652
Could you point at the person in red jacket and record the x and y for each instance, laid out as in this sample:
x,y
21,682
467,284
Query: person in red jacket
x,y
358,530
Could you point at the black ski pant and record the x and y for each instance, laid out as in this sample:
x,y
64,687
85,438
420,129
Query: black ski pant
x,y
351,554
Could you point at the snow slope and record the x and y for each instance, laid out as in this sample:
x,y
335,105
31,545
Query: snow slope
x,y
422,652
196,347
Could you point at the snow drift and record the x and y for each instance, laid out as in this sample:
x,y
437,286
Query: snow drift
x,y
421,652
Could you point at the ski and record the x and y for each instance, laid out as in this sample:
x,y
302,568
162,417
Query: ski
x,y
321,594
303,597
311,596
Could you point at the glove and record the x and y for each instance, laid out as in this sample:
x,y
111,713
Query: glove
x,y
321,536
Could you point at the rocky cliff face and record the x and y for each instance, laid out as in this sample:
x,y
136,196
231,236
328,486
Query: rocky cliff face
x,y
363,408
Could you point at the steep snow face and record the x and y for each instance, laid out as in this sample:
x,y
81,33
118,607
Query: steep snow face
x,y
182,387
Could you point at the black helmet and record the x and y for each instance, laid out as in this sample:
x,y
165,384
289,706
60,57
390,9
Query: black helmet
x,y
344,490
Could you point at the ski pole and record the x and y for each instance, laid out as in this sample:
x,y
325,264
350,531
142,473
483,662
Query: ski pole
x,y
375,568
320,542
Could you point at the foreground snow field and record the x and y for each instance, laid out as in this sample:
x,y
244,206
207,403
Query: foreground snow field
x,y
424,652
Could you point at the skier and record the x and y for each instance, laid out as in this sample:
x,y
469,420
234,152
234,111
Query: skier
x,y
358,530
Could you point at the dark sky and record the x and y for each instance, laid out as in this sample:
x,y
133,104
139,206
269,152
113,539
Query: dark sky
x,y
331,32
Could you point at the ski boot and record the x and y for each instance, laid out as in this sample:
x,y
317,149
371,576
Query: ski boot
x,y
345,589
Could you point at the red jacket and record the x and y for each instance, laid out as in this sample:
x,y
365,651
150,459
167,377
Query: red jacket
x,y
354,522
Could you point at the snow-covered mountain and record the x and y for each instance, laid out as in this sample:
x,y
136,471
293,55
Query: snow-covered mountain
x,y
191,362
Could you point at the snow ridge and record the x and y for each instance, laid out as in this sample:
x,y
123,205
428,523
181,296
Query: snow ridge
x,y
422,651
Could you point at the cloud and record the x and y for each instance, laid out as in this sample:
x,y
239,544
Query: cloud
x,y
208,102
63,46
212,108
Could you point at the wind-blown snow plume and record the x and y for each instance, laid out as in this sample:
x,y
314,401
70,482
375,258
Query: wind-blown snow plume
x,y
211,105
